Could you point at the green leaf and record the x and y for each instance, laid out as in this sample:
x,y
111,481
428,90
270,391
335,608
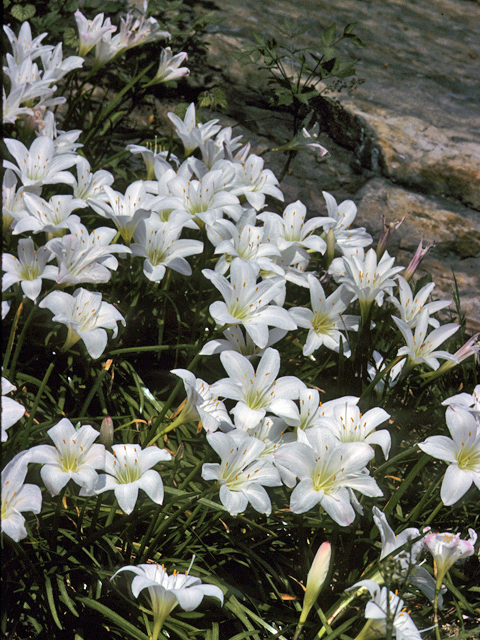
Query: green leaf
x,y
329,35
349,28
114,617
70,37
23,13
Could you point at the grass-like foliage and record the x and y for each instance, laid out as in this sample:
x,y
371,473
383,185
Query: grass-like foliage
x,y
221,417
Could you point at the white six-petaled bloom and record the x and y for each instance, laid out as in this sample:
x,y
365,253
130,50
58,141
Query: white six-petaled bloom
x,y
328,471
386,604
247,303
408,557
18,497
160,244
167,591
410,306
348,424
369,280
242,474
462,452
202,404
420,347
325,320
28,269
258,391
129,469
86,316
74,456
169,67
39,164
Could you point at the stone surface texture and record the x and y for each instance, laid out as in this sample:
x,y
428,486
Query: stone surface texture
x,y
404,141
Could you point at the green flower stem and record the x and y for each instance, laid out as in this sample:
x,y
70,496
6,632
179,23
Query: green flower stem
x,y
38,397
169,402
406,483
438,587
432,487
94,390
11,337
338,611
20,340
379,376
439,506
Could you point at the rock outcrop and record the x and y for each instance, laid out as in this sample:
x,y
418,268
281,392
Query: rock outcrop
x,y
404,142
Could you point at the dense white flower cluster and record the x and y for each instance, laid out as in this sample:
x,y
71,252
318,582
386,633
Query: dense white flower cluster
x,y
267,429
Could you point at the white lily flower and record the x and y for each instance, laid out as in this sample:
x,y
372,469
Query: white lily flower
x,y
407,558
84,257
312,411
86,317
13,204
293,231
340,217
243,344
18,497
349,425
90,186
328,471
247,303
158,242
271,431
411,306
91,31
254,182
167,591
368,280
29,268
462,452
204,200
169,67
258,391
191,134
467,401
55,67
242,473
52,217
325,320
386,604
130,469
11,104
202,404
74,457
244,240
12,410
127,210
39,164
222,147
23,45
420,347
447,549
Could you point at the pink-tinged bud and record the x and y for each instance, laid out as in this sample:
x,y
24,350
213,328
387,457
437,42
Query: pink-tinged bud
x,y
419,255
315,579
448,548
387,233
106,432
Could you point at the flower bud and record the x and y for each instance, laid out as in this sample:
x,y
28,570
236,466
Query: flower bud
x,y
315,579
106,432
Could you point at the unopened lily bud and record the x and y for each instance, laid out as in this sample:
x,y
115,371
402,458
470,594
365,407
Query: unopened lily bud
x,y
387,232
330,239
315,579
419,255
106,432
